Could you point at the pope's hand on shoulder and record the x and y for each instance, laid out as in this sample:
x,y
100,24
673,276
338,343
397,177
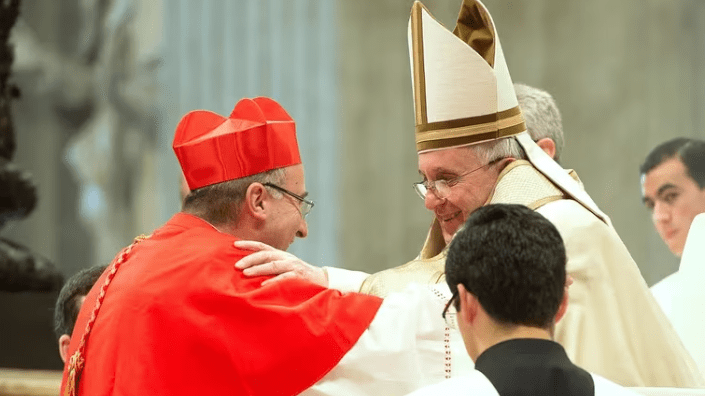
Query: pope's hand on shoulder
x,y
267,260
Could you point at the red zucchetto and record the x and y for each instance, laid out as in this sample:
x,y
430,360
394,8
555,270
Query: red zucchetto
x,y
257,137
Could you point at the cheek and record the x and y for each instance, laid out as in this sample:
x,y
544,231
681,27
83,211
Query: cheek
x,y
467,202
689,207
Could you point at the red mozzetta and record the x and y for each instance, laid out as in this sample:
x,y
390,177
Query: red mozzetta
x,y
178,319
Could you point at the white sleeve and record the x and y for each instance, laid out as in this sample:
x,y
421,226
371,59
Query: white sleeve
x,y
345,280
404,348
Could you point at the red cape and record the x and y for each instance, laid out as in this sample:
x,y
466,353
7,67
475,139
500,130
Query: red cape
x,y
178,319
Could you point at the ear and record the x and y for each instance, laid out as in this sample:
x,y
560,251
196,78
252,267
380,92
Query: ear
x,y
565,301
255,201
469,305
64,346
547,145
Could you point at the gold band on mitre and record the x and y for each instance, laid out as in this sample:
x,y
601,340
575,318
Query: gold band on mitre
x,y
464,131
461,86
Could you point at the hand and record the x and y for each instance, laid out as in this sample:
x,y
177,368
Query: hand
x,y
270,261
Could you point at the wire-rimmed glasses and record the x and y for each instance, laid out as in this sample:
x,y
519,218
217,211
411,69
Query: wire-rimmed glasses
x,y
306,205
442,188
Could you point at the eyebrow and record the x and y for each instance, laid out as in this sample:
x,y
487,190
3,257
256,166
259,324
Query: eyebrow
x,y
646,199
440,171
305,194
665,188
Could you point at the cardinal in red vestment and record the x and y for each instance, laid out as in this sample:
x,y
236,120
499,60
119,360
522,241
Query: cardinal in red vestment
x,y
171,316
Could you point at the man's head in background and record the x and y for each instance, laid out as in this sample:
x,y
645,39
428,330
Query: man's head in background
x,y
506,268
542,119
69,302
673,188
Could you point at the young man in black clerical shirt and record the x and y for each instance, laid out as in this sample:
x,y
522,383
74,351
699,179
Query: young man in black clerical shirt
x,y
506,270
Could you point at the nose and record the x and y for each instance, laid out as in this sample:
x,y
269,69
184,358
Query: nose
x,y
431,200
302,229
661,213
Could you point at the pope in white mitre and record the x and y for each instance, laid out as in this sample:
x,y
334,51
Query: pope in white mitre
x,y
474,150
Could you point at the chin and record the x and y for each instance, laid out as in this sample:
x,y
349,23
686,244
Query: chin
x,y
677,252
675,248
449,232
447,239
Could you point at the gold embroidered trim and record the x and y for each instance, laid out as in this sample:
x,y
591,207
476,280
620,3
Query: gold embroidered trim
x,y
475,27
418,63
448,134
481,120
541,202
76,362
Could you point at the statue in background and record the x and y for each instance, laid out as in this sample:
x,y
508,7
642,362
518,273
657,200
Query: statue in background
x,y
20,268
103,96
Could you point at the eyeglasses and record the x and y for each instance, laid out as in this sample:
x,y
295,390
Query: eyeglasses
x,y
306,205
442,188
449,313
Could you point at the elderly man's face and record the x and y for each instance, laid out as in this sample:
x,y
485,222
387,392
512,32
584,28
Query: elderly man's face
x,y
285,221
466,195
674,200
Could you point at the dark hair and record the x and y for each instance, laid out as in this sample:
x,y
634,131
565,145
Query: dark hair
x,y
67,307
691,153
513,260
218,203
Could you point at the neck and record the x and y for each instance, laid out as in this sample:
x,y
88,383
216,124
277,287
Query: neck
x,y
239,232
241,229
494,334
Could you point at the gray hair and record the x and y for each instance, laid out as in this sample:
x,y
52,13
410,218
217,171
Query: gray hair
x,y
542,117
219,203
496,149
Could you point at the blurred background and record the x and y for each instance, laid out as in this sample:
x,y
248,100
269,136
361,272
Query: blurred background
x,y
104,82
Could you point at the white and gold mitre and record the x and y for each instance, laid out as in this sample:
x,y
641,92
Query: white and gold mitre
x,y
463,93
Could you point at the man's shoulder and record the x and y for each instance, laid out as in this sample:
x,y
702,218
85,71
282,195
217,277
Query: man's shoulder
x,y
569,210
521,183
178,259
192,239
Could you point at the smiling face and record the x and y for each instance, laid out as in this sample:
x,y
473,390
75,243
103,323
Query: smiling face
x,y
467,195
285,222
674,199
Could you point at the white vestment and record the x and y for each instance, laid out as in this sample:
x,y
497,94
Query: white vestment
x,y
478,385
613,325
681,295
404,348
